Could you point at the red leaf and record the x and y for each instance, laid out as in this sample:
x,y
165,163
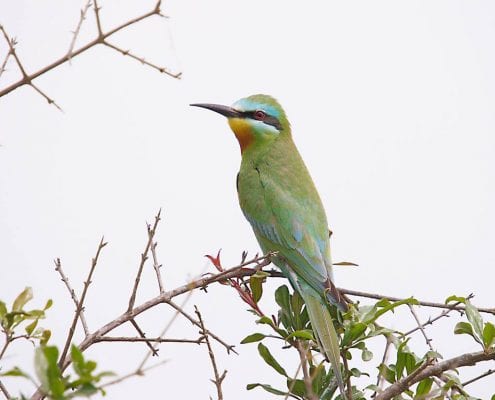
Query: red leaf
x,y
216,260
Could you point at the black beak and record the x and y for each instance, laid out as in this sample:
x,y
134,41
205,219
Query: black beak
x,y
226,111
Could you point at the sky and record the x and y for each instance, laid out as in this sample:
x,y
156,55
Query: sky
x,y
392,108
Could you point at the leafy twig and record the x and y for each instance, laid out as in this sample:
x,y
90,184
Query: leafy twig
x,y
426,370
423,303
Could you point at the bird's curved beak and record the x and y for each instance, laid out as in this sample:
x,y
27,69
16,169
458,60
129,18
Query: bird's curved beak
x,y
226,111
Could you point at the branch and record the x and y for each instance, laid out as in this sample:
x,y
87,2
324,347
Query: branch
x,y
423,303
229,347
79,307
157,267
433,370
26,79
141,339
58,268
218,378
100,39
483,375
4,390
144,257
78,28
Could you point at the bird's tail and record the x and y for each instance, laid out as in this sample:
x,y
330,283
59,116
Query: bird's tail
x,y
321,320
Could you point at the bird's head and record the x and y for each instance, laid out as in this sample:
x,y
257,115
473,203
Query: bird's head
x,y
255,120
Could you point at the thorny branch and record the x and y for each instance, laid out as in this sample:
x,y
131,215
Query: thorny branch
x,y
218,377
72,292
245,269
80,305
4,390
101,38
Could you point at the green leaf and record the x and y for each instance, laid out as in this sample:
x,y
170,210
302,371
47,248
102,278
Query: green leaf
x,y
353,332
16,371
30,328
282,297
265,320
304,334
256,285
255,337
424,387
474,317
366,355
384,306
77,360
45,336
488,335
455,299
3,310
270,360
463,328
268,388
346,264
55,381
48,304
297,387
387,373
22,299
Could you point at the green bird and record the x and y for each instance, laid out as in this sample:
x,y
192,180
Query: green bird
x,y
280,201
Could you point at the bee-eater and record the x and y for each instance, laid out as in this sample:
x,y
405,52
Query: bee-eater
x,y
280,201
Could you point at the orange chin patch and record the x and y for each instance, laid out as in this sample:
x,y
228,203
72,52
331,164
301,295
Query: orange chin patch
x,y
243,132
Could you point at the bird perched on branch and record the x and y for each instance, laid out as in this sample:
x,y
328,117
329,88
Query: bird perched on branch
x,y
280,201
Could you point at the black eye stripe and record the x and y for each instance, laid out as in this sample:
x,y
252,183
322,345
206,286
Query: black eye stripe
x,y
269,119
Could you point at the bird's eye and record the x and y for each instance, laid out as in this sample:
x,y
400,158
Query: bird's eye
x,y
259,115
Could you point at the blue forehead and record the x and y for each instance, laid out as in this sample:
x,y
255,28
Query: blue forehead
x,y
248,104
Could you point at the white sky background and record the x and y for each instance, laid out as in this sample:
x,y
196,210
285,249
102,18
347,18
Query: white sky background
x,y
392,107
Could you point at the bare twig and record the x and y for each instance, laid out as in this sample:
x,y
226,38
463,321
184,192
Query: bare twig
x,y
141,339
82,17
157,267
80,305
100,39
143,336
4,63
58,268
144,257
167,327
229,347
98,20
477,378
423,303
421,327
218,377
26,79
4,390
427,370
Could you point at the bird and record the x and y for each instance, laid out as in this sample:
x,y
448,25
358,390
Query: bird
x,y
279,199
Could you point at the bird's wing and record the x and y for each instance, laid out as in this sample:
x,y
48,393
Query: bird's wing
x,y
297,229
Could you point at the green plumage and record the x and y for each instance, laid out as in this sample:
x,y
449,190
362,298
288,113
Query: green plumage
x,y
280,201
